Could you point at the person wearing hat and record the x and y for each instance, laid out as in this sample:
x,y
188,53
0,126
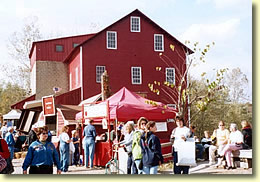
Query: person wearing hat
x,y
10,141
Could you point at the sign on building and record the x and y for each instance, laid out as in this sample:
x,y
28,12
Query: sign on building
x,y
48,106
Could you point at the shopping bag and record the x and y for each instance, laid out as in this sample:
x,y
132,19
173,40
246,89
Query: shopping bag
x,y
72,147
186,152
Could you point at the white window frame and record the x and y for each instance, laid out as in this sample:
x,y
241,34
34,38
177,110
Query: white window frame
x,y
167,76
107,40
131,24
155,46
98,73
134,79
77,76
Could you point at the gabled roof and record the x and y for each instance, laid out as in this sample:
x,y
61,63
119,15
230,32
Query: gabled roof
x,y
135,11
41,41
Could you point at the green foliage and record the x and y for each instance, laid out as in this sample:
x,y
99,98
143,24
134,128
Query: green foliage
x,y
9,95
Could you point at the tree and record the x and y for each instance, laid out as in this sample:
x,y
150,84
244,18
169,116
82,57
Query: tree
x,y
184,93
19,46
237,83
10,94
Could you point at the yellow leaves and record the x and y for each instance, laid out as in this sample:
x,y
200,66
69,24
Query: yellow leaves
x,y
158,68
203,74
151,102
172,47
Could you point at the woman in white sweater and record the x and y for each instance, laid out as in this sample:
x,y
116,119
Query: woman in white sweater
x,y
180,133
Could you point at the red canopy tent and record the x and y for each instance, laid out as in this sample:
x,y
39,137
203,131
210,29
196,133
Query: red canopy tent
x,y
126,105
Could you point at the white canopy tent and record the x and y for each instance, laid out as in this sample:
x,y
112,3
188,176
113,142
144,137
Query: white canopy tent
x,y
13,114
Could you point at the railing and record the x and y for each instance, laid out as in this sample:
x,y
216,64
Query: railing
x,y
167,144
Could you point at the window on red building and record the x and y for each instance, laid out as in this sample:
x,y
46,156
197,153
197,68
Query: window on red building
x,y
170,75
99,71
136,75
75,45
111,40
158,42
135,24
59,48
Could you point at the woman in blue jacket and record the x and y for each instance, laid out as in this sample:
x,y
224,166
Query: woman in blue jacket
x,y
151,150
41,156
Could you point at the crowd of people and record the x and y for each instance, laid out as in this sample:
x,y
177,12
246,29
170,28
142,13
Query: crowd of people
x,y
140,142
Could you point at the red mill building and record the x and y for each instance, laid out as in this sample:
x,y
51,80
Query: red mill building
x,y
128,49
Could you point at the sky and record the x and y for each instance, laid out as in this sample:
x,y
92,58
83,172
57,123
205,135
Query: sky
x,y
228,23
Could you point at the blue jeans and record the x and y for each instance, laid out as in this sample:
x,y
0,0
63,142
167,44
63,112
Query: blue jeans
x,y
201,150
137,162
89,150
150,170
131,168
11,150
64,157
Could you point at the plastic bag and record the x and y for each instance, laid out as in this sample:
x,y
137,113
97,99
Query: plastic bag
x,y
72,147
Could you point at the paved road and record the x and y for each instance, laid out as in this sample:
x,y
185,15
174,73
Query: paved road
x,y
201,168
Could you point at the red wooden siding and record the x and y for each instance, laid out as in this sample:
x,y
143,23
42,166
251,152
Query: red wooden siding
x,y
69,98
60,122
72,70
46,50
133,49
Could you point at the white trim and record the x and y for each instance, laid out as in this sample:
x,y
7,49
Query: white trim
x,y
70,82
77,76
132,74
139,25
81,72
114,32
166,70
161,35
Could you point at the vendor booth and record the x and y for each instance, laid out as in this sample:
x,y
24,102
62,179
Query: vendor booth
x,y
121,107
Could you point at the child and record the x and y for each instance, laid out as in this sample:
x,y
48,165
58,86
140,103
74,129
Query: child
x,y
75,139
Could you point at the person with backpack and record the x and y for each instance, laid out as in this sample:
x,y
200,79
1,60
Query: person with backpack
x,y
136,147
151,149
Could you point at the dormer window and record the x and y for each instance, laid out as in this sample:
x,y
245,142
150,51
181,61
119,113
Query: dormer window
x,y
135,24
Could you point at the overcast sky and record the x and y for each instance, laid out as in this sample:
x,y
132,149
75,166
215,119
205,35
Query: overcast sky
x,y
226,22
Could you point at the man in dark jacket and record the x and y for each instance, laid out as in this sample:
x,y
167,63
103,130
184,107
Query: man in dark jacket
x,y
32,135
